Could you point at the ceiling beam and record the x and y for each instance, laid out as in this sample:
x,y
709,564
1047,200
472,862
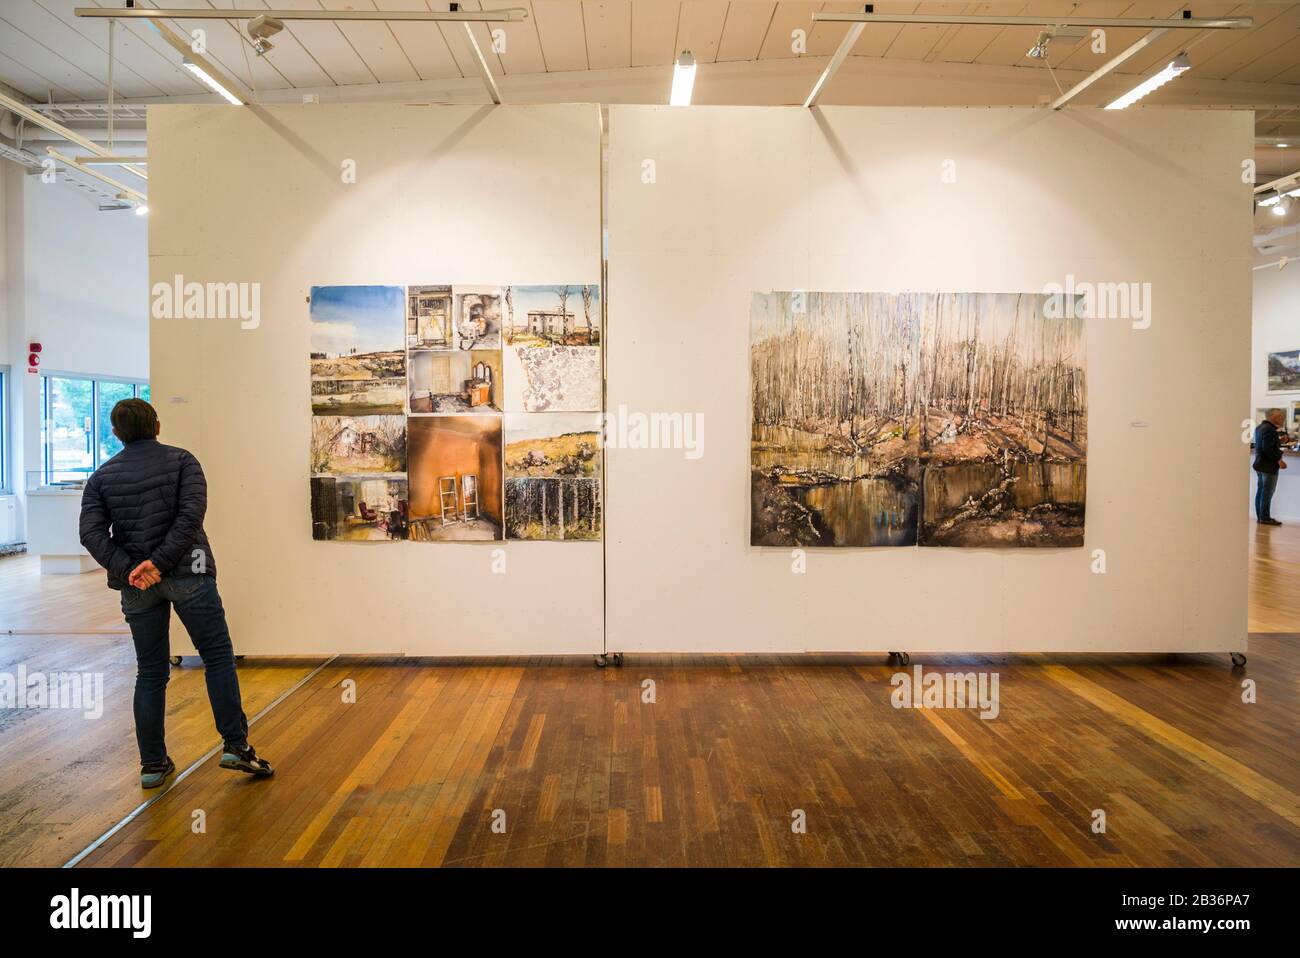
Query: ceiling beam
x,y
1107,67
484,70
513,14
1176,23
110,160
72,136
841,54
103,177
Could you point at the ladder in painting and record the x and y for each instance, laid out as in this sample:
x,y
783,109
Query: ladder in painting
x,y
469,488
447,499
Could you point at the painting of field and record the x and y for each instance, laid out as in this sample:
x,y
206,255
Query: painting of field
x,y
358,445
882,419
358,508
553,467
1284,371
358,359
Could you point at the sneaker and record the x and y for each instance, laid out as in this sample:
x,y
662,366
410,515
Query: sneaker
x,y
155,773
242,758
1269,522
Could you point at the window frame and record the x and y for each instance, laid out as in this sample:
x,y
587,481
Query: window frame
x,y
6,407
44,399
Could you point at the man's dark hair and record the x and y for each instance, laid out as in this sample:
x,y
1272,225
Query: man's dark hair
x,y
134,419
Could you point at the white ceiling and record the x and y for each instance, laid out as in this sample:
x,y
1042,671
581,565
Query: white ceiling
x,y
605,49
46,51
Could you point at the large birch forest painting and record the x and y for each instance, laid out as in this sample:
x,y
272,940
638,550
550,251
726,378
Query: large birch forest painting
x,y
939,419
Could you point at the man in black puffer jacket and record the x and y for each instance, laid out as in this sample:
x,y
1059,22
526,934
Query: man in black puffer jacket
x,y
142,520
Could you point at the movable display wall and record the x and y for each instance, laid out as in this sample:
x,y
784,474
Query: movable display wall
x,y
850,299
391,372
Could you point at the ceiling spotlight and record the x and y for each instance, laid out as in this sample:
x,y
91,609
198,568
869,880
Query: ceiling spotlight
x,y
1283,146
1176,68
683,80
1279,208
1066,32
142,210
261,29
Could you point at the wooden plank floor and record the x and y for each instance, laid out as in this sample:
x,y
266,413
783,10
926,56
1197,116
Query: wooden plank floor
x,y
66,778
56,604
709,774
1274,578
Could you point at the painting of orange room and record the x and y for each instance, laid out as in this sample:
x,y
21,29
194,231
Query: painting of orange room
x,y
455,381
455,478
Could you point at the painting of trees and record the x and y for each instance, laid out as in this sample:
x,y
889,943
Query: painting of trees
x,y
971,405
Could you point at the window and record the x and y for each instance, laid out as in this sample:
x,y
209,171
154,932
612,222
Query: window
x,y
76,429
4,429
109,396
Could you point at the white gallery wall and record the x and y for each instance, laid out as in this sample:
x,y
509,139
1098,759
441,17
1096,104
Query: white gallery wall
x,y
1276,329
473,195
75,279
709,204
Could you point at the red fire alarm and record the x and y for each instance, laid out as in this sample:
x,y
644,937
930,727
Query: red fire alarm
x,y
33,354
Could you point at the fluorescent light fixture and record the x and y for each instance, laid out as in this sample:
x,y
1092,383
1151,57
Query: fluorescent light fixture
x,y
206,79
1283,146
1276,199
683,80
1175,68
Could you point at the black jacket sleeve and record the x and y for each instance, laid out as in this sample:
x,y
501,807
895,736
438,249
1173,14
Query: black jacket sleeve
x,y
191,504
94,531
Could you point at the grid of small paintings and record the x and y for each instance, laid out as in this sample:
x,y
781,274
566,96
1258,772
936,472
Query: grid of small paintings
x,y
448,413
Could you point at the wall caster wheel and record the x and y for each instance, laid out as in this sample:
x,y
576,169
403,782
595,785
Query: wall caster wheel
x,y
902,658
601,660
616,660
176,661
1238,660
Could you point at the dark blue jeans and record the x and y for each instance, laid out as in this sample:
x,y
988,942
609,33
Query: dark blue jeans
x,y
148,612
1264,494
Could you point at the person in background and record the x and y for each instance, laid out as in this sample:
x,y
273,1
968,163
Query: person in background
x,y
1270,440
142,520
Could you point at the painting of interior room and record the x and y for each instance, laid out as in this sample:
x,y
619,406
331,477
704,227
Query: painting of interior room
x,y
881,419
552,355
358,363
476,317
553,476
455,478
455,381
428,317
1284,371
357,445
359,508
